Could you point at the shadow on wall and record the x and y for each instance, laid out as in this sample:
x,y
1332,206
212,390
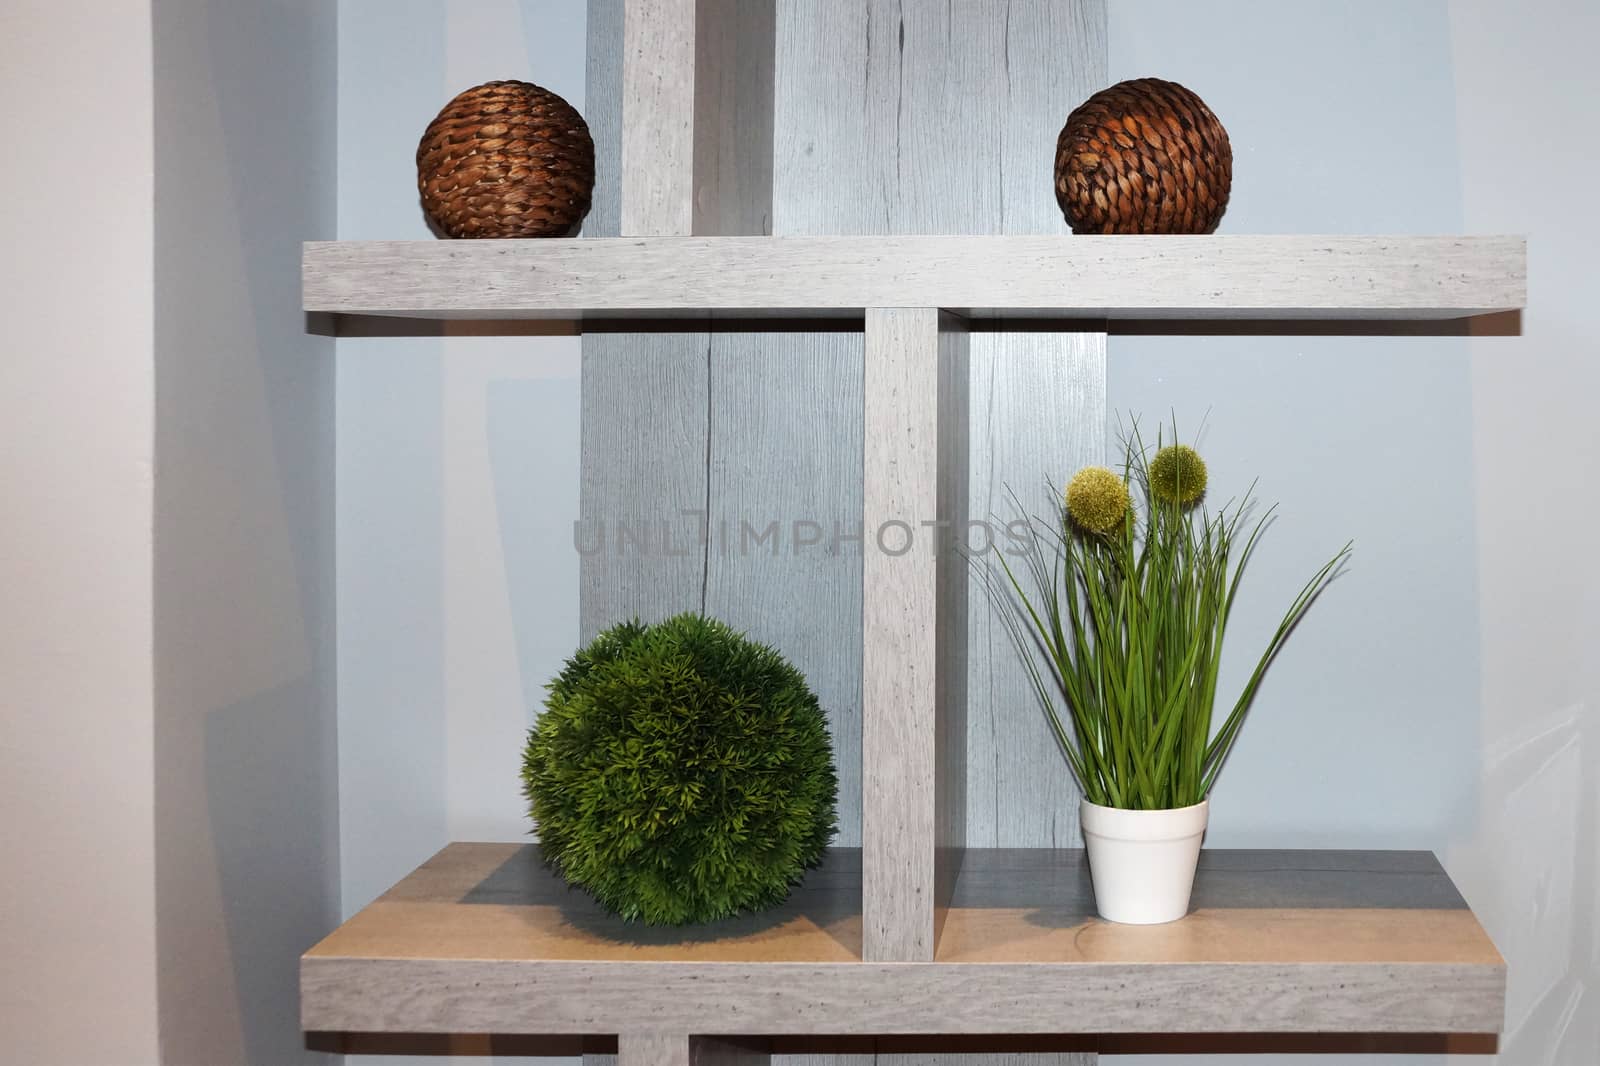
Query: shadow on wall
x,y
246,793
262,797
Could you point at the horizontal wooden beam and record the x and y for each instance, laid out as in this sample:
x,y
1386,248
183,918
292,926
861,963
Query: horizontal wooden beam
x,y
485,939
1241,277
414,995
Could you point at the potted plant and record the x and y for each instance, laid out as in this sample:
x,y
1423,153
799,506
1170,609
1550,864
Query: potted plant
x,y
1122,634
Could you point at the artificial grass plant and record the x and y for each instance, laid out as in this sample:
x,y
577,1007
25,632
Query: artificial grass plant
x,y
1122,634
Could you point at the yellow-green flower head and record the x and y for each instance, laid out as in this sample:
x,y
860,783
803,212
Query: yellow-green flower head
x,y
1097,499
1178,475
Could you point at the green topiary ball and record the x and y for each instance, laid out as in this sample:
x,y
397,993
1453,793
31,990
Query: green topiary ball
x,y
681,773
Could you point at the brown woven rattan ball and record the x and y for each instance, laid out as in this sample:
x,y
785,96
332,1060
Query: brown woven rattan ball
x,y
506,159
1144,156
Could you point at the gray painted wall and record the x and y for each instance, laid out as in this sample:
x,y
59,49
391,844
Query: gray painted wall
x,y
1436,697
1364,438
246,796
457,467
1365,733
457,472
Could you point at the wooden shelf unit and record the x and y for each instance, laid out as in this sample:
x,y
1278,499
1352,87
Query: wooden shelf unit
x,y
483,938
913,933
1004,278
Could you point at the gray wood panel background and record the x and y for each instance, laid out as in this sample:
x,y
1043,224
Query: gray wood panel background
x,y
644,413
925,116
784,450
916,116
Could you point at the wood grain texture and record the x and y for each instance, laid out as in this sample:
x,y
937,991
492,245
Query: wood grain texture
x,y
950,125
643,480
785,494
658,112
643,430
696,151
411,995
1242,277
1038,414
653,1049
921,142
900,491
734,43
602,109
484,940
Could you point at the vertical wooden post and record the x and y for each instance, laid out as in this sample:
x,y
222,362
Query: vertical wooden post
x,y
697,117
680,102
657,117
913,657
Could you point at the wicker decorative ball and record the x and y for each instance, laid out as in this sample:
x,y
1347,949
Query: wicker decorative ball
x,y
1144,156
506,159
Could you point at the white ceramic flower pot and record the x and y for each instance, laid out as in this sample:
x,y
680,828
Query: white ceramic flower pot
x,y
1142,862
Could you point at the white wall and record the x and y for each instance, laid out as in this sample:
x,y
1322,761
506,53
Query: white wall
x,y
1528,856
246,794
77,916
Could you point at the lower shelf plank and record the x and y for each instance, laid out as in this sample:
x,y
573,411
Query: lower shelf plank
x,y
483,939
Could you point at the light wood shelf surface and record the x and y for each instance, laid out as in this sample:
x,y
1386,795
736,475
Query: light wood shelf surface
x,y
1019,277
482,938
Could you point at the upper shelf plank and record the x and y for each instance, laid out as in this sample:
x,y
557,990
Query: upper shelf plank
x,y
1233,277
483,938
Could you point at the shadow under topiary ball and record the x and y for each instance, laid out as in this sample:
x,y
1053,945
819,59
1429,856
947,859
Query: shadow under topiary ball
x,y
681,773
